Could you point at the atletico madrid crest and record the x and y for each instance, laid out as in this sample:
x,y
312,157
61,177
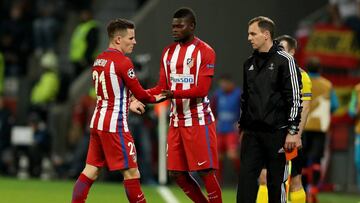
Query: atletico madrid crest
x,y
190,62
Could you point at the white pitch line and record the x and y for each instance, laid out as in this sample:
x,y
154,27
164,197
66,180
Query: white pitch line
x,y
167,195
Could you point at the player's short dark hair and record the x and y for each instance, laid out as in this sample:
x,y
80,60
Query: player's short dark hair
x,y
264,23
313,65
292,43
119,25
186,12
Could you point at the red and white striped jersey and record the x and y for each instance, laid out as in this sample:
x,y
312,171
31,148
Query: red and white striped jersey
x,y
114,77
181,67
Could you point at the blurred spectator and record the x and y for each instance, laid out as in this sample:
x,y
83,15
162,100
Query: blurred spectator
x,y
2,72
15,36
44,92
42,145
354,112
346,12
80,133
141,127
84,42
30,155
6,122
324,102
46,28
226,106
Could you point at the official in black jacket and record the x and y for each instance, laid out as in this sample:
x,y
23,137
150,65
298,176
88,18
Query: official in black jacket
x,y
271,109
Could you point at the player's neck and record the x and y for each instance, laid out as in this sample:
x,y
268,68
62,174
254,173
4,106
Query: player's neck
x,y
187,40
113,46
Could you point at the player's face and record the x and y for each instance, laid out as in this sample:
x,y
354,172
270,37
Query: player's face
x,y
127,42
284,44
256,37
182,29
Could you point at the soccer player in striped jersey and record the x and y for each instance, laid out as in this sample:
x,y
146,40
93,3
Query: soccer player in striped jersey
x,y
186,71
111,143
297,192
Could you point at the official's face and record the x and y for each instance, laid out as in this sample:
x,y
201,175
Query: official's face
x,y
127,42
182,29
256,36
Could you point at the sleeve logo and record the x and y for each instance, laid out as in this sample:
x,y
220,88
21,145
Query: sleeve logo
x,y
210,65
131,73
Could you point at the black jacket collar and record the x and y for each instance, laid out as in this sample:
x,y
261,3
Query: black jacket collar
x,y
275,47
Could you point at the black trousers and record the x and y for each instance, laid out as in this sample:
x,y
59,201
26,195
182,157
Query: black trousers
x,y
259,149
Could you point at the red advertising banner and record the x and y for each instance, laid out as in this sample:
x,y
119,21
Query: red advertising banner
x,y
334,46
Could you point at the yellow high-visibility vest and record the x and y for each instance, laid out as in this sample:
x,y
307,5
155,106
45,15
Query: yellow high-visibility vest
x,y
78,44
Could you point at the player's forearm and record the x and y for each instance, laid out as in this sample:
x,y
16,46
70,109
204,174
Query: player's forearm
x,y
140,94
199,91
155,90
191,93
304,115
144,97
161,85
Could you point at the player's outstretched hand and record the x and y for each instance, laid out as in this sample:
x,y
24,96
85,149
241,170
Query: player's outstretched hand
x,y
137,107
167,93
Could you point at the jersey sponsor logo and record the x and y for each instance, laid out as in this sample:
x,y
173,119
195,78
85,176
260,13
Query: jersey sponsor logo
x,y
251,67
131,73
190,62
201,163
210,65
100,62
182,78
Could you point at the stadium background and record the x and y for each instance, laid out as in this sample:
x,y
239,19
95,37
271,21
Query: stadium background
x,y
223,24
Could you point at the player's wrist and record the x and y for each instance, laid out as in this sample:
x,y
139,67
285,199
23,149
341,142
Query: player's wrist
x,y
172,94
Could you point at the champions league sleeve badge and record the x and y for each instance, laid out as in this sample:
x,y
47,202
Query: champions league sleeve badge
x,y
131,73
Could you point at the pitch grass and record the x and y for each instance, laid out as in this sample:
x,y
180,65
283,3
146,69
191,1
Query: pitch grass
x,y
36,191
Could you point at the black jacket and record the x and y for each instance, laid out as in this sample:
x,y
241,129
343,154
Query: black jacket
x,y
271,98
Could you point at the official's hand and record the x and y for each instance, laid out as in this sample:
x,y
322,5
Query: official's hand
x,y
292,142
137,107
160,97
167,93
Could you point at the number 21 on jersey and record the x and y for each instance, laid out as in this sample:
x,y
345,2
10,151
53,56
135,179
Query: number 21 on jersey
x,y
100,79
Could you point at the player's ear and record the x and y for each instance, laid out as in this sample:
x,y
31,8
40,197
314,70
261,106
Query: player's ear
x,y
118,39
192,26
292,52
